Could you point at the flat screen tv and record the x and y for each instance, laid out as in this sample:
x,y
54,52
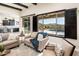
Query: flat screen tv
x,y
15,29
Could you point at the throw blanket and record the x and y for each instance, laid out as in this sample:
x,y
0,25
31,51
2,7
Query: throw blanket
x,y
35,42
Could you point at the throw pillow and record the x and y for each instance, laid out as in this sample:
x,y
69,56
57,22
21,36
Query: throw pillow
x,y
59,50
5,36
12,36
40,37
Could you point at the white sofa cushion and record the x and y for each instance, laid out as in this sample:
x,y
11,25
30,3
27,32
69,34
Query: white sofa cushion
x,y
33,34
51,46
5,36
12,37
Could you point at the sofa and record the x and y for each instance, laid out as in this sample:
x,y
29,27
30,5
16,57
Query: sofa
x,y
9,40
42,43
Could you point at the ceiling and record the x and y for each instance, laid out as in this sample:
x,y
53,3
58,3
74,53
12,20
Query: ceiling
x,y
18,6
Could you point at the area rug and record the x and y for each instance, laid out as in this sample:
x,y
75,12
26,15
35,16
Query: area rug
x,y
23,50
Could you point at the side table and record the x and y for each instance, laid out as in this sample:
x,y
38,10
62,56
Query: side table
x,y
21,39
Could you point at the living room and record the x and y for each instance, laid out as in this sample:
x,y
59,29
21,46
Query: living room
x,y
21,23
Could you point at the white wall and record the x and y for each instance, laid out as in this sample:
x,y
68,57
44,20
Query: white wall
x,y
10,11
44,8
6,12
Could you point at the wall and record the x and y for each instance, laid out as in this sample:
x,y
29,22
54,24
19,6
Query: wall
x,y
6,12
9,11
44,8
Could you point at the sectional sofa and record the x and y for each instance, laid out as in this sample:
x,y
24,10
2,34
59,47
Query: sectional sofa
x,y
9,40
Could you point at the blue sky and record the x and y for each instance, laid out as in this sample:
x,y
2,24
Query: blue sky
x,y
48,21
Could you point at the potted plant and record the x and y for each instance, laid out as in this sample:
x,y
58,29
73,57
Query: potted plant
x,y
1,49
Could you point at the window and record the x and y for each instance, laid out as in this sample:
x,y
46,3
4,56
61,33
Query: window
x,y
41,25
60,25
26,24
52,23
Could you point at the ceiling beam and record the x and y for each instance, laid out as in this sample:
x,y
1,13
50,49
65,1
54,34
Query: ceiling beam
x,y
10,6
34,3
19,4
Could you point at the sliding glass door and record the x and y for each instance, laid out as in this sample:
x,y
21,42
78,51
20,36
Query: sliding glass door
x,y
60,25
40,25
52,24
